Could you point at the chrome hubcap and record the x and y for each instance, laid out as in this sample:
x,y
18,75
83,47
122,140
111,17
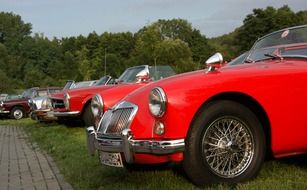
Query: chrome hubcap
x,y
18,114
228,147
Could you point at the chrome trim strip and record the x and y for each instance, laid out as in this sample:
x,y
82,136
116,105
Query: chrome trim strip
x,y
2,111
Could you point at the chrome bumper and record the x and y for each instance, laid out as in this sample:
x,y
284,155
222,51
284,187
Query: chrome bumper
x,y
65,114
4,111
128,146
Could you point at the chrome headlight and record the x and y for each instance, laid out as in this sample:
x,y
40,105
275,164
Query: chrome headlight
x,y
97,105
46,103
66,101
1,104
30,101
157,102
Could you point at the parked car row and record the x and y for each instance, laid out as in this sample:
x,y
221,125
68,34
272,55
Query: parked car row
x,y
220,123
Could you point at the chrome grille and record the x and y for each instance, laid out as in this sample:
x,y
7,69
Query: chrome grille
x,y
57,103
117,119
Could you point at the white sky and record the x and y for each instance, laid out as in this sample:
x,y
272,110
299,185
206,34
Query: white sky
x,y
63,18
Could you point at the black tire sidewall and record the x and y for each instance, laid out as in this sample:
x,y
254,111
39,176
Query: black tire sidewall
x,y
196,168
87,116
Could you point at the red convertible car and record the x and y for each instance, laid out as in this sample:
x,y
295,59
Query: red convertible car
x,y
76,103
221,122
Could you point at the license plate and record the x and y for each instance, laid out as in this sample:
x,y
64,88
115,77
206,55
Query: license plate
x,y
111,159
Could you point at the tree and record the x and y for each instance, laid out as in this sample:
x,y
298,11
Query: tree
x,y
85,66
175,53
6,83
173,29
13,31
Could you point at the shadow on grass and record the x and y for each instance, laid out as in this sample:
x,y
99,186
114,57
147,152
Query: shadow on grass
x,y
298,161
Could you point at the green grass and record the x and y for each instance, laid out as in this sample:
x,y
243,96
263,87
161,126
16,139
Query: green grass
x,y
67,146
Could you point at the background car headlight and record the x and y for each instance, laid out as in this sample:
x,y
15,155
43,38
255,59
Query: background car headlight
x,y
44,103
48,103
157,102
66,100
97,105
1,104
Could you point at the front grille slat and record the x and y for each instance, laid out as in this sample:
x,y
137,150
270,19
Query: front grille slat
x,y
119,120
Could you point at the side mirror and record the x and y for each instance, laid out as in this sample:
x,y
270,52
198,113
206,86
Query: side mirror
x,y
143,75
215,61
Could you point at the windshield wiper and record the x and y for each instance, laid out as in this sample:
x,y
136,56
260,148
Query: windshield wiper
x,y
274,55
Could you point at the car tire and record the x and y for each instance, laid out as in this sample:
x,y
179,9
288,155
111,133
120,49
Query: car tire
x,y
17,113
87,116
225,144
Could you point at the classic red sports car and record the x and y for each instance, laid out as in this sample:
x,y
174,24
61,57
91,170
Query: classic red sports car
x,y
219,122
76,103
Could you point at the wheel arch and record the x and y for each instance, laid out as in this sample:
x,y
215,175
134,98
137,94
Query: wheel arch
x,y
250,103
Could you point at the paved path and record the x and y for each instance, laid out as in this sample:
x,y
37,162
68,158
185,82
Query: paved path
x,y
23,166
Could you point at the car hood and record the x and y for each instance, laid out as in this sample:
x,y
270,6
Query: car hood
x,y
203,78
15,100
60,95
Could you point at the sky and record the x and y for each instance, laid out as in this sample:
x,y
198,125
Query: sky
x,y
65,18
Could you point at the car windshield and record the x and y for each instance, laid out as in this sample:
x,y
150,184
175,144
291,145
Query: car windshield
x,y
290,42
28,93
155,72
238,60
102,81
160,72
69,84
129,74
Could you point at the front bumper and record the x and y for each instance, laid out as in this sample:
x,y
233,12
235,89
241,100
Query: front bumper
x,y
44,115
65,114
128,146
4,111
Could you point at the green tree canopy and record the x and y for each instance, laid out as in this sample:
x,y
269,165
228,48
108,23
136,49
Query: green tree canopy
x,y
13,30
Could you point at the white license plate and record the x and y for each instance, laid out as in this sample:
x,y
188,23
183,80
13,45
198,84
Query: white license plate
x,y
111,159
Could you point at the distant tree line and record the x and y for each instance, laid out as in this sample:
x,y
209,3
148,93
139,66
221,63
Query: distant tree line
x,y
28,60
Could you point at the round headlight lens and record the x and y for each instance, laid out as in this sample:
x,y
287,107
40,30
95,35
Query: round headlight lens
x,y
48,103
44,103
66,100
97,105
157,102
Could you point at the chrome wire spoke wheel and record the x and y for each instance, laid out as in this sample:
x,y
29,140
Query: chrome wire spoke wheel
x,y
228,146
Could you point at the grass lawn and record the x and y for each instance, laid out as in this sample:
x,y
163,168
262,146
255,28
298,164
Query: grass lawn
x,y
68,148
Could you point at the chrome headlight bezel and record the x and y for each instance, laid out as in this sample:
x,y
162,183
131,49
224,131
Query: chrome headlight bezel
x,y
97,105
66,101
1,103
157,101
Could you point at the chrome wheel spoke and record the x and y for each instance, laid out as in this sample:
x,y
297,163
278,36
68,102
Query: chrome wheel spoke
x,y
228,146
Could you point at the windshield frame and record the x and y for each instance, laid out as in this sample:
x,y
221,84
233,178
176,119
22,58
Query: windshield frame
x,y
254,48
